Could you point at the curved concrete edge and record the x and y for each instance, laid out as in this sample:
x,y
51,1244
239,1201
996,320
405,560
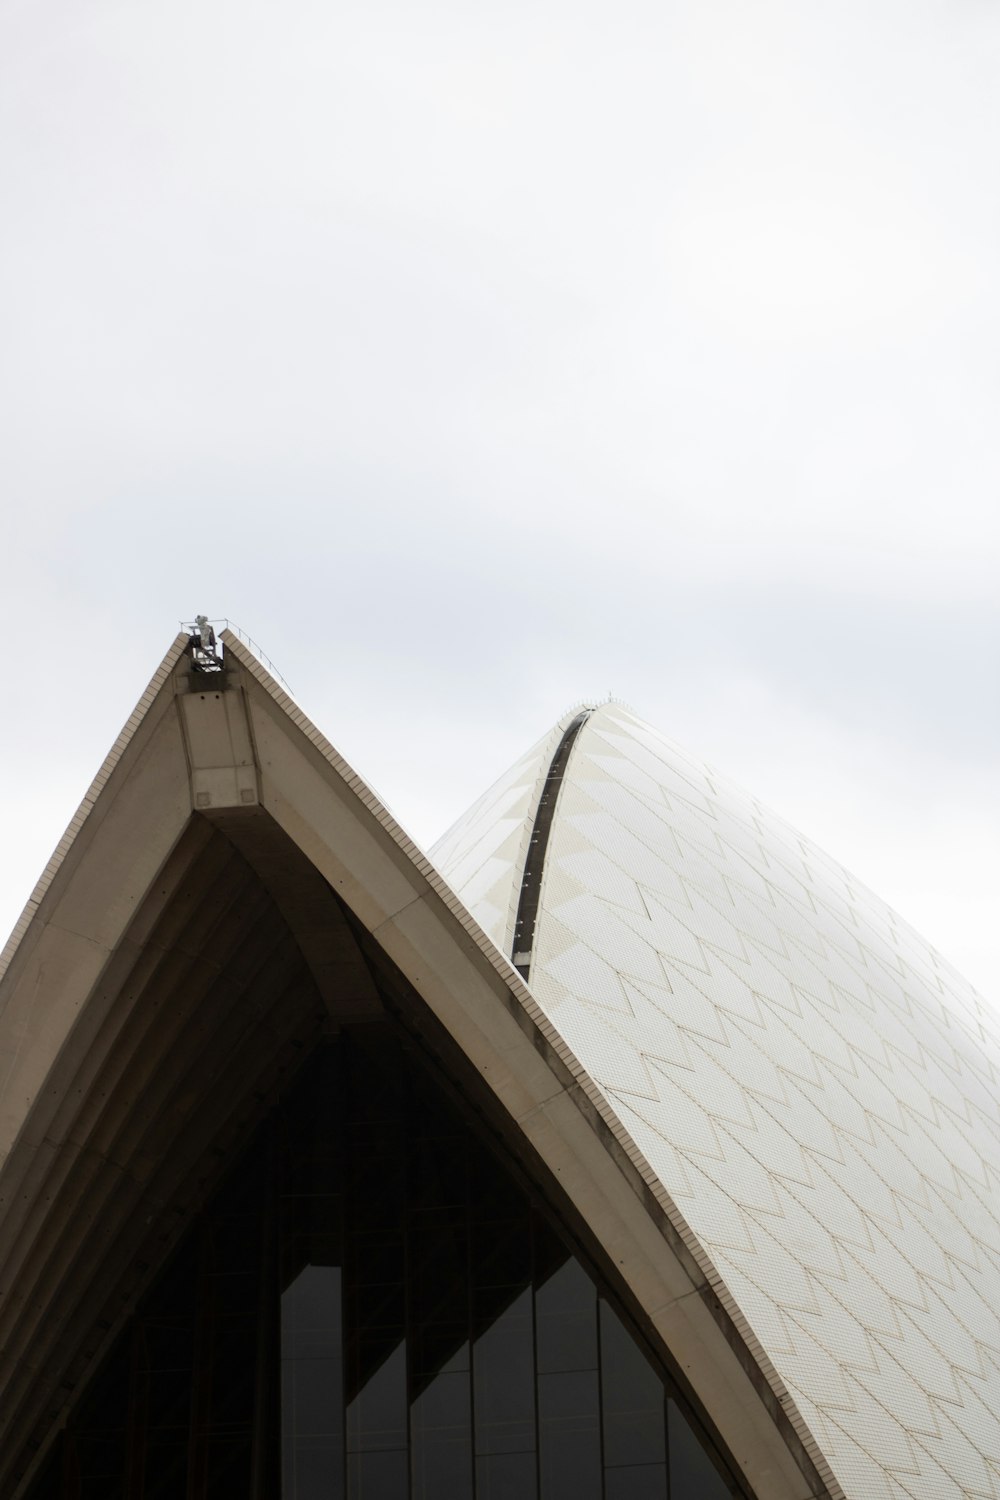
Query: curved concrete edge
x,y
93,792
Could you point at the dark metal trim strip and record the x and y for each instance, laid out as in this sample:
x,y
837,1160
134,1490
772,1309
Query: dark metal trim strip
x,y
534,864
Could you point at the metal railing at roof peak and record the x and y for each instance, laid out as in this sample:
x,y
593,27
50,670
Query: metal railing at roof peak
x,y
222,622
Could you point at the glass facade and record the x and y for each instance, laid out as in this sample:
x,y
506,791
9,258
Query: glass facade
x,y
371,1308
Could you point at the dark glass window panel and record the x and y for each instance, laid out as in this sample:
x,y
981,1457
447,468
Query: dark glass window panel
x,y
106,1403
631,1398
494,1196
378,1259
166,1467
231,1246
313,1468
507,1476
376,1319
439,1261
229,1465
549,1251
436,1347
233,1375
233,1296
176,1290
100,1455
502,1253
166,1360
693,1475
441,1436
439,1297
309,1216
504,1380
384,1208
238,1195
569,1435
167,1345
406,1371
566,1313
168,1404
439,1177
312,1386
637,1482
310,1317
379,1476
376,1417
98,1487
375,1326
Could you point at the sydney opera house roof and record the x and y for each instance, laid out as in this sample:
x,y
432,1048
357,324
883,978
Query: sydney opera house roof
x,y
767,1111
811,1085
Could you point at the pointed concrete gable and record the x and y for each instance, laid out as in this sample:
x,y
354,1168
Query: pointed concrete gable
x,y
230,891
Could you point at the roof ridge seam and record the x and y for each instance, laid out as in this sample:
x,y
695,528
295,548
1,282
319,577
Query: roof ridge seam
x,y
533,870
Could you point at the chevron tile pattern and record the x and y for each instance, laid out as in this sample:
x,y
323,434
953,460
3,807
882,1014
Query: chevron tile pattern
x,y
814,1086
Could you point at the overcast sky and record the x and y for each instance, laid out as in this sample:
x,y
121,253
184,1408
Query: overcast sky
x,y
478,360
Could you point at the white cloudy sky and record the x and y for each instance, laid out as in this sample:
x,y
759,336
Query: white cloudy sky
x,y
479,359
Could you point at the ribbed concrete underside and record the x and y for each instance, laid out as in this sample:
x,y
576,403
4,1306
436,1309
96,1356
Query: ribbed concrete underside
x,y
199,1023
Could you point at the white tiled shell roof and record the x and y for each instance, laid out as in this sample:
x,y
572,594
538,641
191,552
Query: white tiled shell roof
x,y
815,1087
